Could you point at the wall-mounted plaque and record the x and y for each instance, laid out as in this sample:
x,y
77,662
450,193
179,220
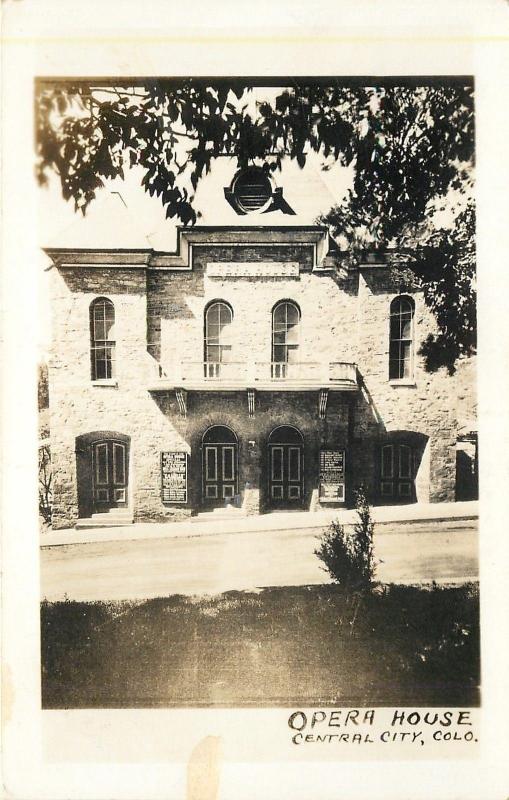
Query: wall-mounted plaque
x,y
174,476
332,476
253,269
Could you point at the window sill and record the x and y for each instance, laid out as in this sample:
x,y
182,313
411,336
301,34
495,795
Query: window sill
x,y
402,382
105,382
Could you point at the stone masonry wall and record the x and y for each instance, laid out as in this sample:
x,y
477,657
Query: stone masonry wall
x,y
341,321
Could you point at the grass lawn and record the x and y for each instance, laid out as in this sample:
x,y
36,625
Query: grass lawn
x,y
281,646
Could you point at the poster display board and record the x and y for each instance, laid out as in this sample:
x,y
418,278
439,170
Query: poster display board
x,y
174,476
332,476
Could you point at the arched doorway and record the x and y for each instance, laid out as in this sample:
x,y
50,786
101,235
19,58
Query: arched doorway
x,y
401,457
102,462
219,466
286,468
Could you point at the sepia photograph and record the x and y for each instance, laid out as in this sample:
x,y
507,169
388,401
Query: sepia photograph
x,y
258,439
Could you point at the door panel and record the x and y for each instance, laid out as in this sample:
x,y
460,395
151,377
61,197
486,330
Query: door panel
x,y
294,456
109,475
101,466
285,476
118,464
220,474
211,463
228,463
397,473
276,470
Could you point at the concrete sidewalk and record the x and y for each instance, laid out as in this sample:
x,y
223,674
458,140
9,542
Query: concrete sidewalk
x,y
276,521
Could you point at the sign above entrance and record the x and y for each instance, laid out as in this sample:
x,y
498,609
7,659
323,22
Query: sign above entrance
x,y
252,269
174,477
332,476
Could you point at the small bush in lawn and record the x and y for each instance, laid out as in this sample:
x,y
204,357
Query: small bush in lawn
x,y
348,555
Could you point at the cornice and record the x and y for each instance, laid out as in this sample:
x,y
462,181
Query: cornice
x,y
211,236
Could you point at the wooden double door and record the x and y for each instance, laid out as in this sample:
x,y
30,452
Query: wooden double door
x,y
220,467
397,473
286,468
109,474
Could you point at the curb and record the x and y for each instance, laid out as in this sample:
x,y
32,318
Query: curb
x,y
129,535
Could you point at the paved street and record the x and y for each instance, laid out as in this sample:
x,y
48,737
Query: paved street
x,y
445,551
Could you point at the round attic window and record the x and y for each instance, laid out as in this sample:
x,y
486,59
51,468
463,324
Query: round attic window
x,y
252,189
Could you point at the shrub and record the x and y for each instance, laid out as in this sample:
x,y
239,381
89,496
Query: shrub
x,y
348,554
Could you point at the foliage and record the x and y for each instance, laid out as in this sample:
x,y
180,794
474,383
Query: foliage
x,y
348,554
414,159
446,267
42,386
410,147
284,645
45,481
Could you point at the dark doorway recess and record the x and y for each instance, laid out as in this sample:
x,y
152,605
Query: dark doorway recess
x,y
285,468
219,466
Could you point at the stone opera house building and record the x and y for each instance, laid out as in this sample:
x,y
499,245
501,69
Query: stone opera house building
x,y
250,363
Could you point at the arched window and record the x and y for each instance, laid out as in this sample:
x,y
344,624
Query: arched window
x,y
218,319
285,338
401,358
102,339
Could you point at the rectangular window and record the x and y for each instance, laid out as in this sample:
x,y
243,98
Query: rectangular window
x,y
103,358
400,360
102,344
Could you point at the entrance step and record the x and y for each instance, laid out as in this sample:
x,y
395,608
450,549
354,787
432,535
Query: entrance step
x,y
110,519
216,514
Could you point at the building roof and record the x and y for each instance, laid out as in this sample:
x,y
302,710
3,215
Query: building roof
x,y
124,217
108,224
